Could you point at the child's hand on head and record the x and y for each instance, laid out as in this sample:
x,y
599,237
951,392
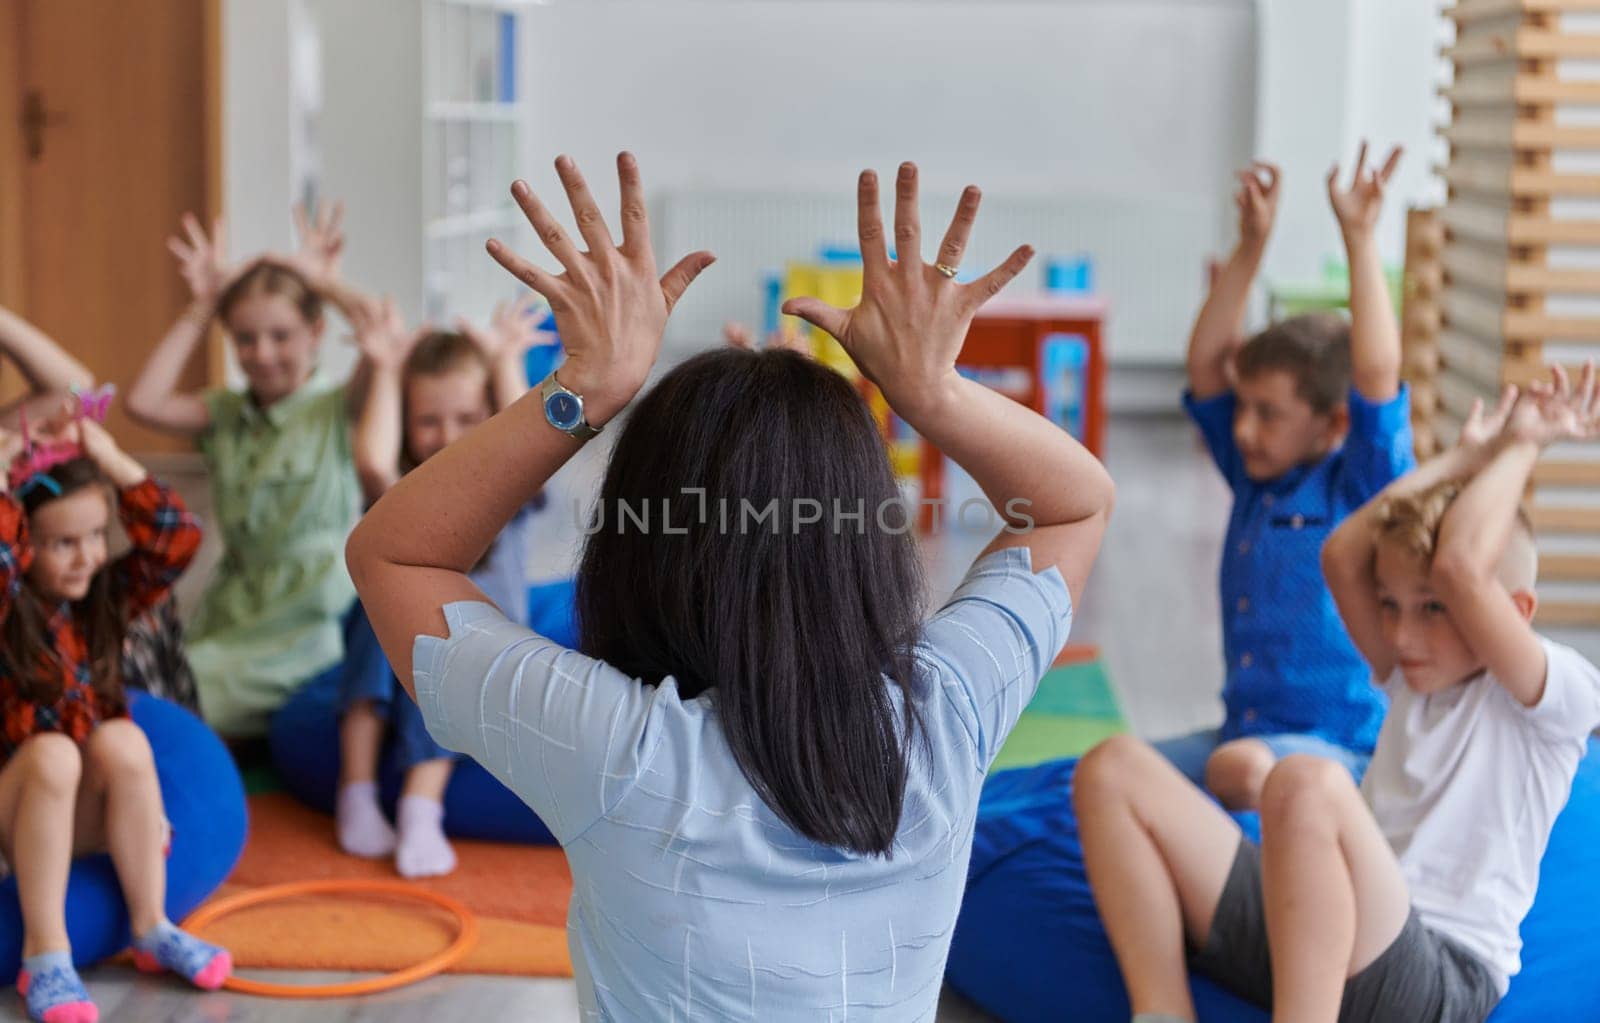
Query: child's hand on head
x,y
1358,206
97,443
321,241
737,335
1556,410
202,260
511,330
1480,428
1257,200
381,333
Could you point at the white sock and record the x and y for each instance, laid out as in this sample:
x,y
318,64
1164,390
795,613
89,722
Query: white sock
x,y
362,828
423,850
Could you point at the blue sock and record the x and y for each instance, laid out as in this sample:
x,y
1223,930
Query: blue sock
x,y
54,992
164,947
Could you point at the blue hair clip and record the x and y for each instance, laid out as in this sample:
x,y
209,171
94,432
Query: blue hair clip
x,y
38,479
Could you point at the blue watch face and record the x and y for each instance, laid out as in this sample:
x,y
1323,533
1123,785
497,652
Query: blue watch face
x,y
563,410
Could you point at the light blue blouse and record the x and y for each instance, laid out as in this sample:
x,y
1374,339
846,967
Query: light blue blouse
x,y
691,898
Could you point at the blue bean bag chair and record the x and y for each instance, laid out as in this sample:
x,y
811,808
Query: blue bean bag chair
x,y
1029,944
204,799
304,745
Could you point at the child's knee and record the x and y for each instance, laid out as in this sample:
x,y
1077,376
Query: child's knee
x,y
118,747
1303,786
52,761
1239,766
1111,766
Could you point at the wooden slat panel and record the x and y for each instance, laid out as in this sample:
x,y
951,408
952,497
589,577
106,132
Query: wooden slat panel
x,y
1466,266
1525,89
1569,567
1567,474
1519,182
1524,135
1464,220
1479,10
1580,613
1540,326
1524,44
1565,519
1532,230
1471,358
1456,394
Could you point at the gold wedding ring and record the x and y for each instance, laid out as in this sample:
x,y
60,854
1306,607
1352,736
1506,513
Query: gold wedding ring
x,y
948,271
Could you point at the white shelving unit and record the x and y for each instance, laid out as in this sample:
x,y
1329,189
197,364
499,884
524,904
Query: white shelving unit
x,y
474,114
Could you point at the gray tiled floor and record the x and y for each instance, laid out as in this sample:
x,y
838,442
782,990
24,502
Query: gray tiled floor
x,y
1151,606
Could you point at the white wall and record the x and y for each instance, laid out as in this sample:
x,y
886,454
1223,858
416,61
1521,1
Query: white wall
x,y
257,177
1333,72
1024,98
371,138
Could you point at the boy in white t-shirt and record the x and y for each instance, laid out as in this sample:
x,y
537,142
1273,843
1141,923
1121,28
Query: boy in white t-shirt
x,y
1401,901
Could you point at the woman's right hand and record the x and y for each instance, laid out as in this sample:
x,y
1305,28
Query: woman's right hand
x,y
912,320
202,260
610,305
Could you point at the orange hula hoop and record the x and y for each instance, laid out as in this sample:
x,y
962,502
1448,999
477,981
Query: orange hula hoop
x,y
466,935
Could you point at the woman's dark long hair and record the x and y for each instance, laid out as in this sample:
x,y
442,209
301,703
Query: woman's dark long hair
x,y
29,647
794,626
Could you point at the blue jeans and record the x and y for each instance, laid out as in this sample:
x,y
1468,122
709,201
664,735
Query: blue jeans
x,y
1189,753
365,675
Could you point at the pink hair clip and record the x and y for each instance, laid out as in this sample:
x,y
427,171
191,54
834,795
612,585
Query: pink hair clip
x,y
31,467
95,404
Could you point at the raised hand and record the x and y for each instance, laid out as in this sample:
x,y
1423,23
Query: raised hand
x,y
1481,428
202,260
1358,206
912,319
1257,200
511,331
118,466
381,333
610,305
321,235
737,335
1556,410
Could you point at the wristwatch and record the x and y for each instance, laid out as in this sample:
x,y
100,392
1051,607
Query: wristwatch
x,y
563,409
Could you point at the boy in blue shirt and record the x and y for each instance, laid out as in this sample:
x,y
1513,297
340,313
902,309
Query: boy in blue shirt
x,y
1307,421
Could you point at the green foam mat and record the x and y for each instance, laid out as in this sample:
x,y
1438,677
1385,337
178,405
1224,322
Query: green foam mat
x,y
1074,708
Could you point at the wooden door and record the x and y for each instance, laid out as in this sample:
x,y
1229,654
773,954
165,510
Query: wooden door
x,y
110,136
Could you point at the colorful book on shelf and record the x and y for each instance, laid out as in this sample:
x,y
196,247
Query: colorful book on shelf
x,y
508,57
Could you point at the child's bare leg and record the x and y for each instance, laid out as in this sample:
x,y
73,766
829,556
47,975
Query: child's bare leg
x,y
38,789
359,819
1236,772
429,779
1334,893
1158,853
360,742
423,849
119,809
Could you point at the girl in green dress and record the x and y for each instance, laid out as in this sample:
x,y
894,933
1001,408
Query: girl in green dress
x,y
283,478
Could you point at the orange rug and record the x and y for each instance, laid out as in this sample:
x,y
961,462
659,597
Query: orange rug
x,y
519,893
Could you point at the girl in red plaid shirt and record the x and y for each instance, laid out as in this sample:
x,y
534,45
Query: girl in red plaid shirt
x,y
76,774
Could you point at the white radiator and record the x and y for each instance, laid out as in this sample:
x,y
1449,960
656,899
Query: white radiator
x,y
1149,254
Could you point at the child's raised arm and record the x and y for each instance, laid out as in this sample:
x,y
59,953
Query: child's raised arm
x,y
1478,525
164,534
385,345
1374,335
44,363
155,400
1219,327
505,344
1347,555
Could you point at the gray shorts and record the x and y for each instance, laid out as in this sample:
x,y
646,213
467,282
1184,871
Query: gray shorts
x,y
1422,977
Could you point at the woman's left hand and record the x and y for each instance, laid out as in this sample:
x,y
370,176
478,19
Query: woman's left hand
x,y
610,306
